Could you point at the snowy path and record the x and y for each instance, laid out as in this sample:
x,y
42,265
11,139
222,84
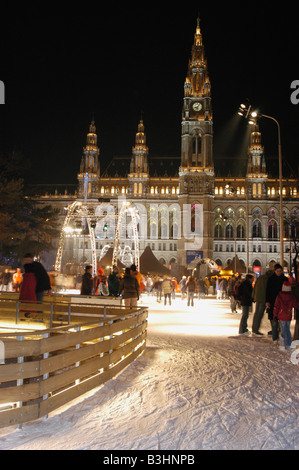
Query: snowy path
x,y
197,386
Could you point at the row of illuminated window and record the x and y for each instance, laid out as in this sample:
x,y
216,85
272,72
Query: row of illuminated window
x,y
85,245
163,246
138,189
256,191
242,248
228,231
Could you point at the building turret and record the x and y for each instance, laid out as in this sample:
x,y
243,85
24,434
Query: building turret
x,y
90,167
256,159
139,171
256,169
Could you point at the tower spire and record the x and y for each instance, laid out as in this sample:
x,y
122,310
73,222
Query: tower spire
x,y
197,122
139,171
90,162
256,158
139,162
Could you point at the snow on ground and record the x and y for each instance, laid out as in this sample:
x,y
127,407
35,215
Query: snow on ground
x,y
197,386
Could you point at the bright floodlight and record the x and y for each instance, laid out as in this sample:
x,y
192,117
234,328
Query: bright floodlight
x,y
254,114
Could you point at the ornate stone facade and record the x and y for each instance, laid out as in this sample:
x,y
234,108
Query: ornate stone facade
x,y
239,215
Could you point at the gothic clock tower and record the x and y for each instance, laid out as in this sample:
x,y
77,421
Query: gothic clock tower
x,y
197,167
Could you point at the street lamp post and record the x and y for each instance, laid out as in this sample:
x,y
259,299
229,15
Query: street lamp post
x,y
245,112
280,190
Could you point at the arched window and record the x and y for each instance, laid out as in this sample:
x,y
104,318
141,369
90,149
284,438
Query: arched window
x,y
242,213
219,263
241,232
229,231
196,150
272,229
218,230
257,229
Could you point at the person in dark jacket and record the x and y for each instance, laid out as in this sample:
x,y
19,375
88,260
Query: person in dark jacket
x,y
191,286
129,288
274,286
259,297
114,282
87,281
42,278
245,295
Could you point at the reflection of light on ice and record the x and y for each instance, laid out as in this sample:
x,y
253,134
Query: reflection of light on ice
x,y
208,317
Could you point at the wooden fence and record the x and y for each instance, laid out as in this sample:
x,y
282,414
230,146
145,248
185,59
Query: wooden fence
x,y
43,370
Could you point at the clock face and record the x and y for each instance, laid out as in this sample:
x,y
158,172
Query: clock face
x,y
197,106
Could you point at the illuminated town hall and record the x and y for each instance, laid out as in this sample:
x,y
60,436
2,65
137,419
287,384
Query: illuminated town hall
x,y
239,214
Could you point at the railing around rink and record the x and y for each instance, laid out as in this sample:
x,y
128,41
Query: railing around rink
x,y
45,368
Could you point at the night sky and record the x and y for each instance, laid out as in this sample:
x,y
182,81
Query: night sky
x,y
62,69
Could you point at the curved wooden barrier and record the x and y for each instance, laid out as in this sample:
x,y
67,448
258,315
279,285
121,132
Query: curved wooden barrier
x,y
45,369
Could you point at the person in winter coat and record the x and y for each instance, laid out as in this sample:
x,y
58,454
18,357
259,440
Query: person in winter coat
x,y
245,295
167,289
136,273
101,287
28,287
129,288
284,304
259,297
274,286
43,283
295,290
87,281
17,279
191,285
231,293
114,282
182,285
201,286
223,288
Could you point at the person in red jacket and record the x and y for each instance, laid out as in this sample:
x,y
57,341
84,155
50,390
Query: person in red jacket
x,y
284,304
28,287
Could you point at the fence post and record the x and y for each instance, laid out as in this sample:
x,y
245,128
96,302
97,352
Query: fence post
x,y
51,316
17,312
20,382
46,376
69,314
77,381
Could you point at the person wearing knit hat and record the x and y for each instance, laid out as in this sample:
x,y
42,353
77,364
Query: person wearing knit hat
x,y
283,308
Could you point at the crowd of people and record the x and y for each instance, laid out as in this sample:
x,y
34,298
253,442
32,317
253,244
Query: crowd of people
x,y
32,284
164,288
272,292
